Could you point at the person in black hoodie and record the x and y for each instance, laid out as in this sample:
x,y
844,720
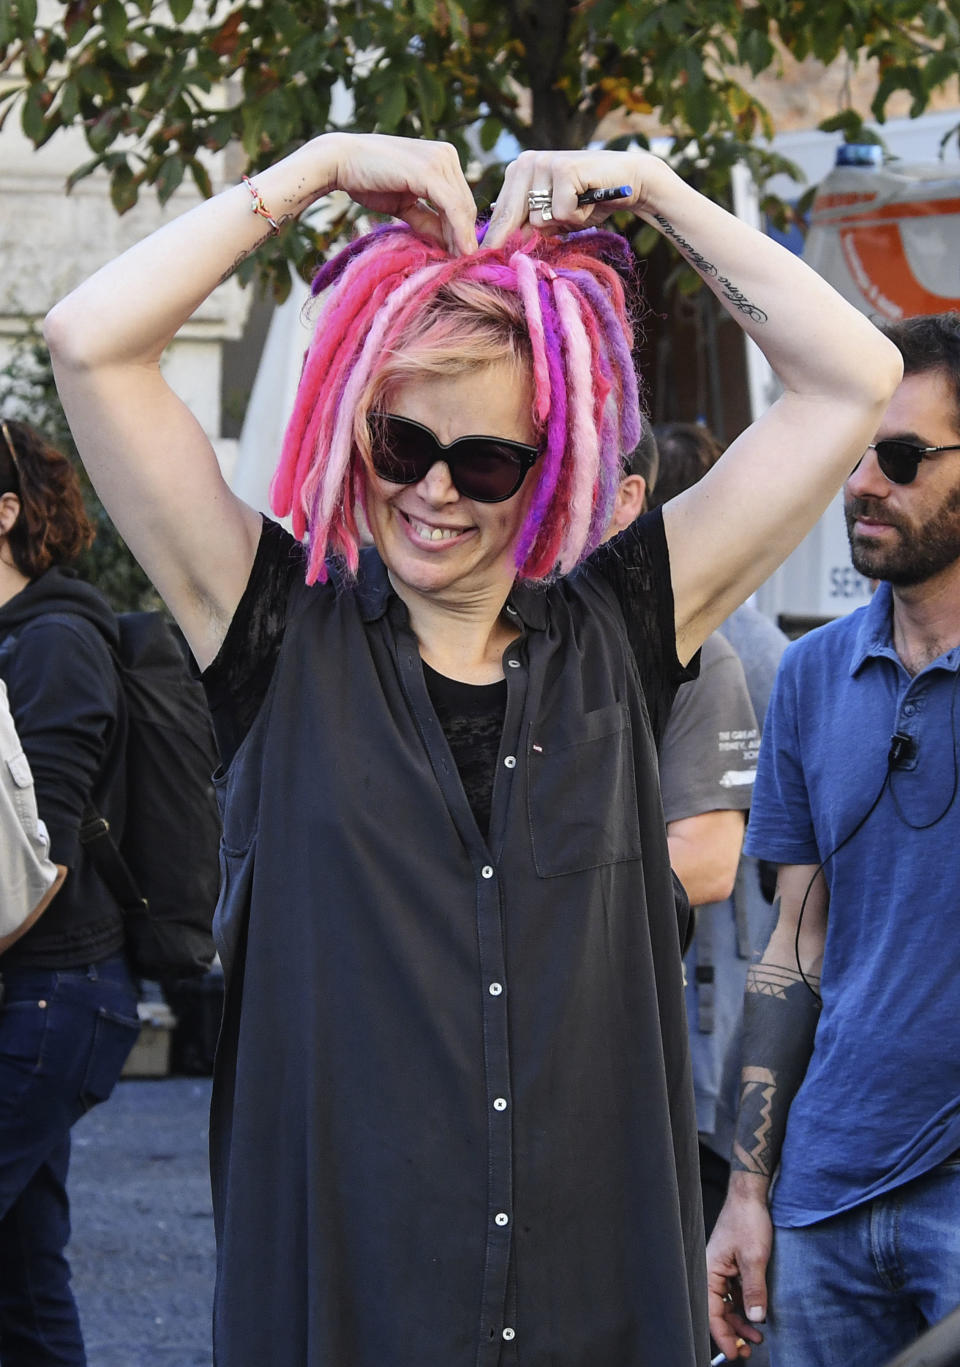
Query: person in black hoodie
x,y
69,1011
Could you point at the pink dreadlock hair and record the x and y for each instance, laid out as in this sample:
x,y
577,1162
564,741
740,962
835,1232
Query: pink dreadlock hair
x,y
398,305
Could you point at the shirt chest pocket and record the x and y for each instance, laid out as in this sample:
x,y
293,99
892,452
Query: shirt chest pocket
x,y
581,792
21,786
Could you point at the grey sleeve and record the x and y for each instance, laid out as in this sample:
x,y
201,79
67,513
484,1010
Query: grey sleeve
x,y
26,872
708,759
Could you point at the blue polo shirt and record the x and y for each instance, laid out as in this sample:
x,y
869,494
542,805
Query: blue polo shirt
x,y
880,1103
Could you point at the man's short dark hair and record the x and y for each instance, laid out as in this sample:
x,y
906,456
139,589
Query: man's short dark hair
x,y
930,342
687,451
644,459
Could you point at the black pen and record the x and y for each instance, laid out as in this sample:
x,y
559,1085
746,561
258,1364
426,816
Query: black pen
x,y
604,196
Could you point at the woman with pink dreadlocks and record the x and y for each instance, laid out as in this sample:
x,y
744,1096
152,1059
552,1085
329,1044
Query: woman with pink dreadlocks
x,y
452,1121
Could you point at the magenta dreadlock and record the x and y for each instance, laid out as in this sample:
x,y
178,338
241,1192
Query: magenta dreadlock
x,y
577,334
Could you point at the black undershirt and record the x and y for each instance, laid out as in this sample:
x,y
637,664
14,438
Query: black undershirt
x,y
471,716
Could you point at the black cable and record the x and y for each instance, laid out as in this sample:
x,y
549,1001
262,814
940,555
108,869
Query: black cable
x,y
892,759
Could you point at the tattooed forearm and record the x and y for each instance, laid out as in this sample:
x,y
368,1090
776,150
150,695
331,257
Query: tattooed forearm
x,y
731,292
704,266
780,1020
256,246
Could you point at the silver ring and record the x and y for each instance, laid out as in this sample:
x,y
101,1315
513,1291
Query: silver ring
x,y
728,1298
539,200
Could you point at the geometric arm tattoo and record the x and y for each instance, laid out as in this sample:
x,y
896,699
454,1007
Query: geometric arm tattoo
x,y
779,1022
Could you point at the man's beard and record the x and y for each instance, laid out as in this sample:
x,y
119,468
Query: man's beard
x,y
918,553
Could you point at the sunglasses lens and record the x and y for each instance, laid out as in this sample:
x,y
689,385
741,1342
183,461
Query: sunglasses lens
x,y
398,451
487,471
898,460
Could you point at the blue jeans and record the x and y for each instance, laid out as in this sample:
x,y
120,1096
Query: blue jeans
x,y
858,1288
64,1036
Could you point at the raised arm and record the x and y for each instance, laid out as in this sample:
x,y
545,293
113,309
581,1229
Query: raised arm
x,y
730,531
779,1023
150,461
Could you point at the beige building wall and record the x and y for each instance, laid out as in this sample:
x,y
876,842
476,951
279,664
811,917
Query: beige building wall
x,y
51,240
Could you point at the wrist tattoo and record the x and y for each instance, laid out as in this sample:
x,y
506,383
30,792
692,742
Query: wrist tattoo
x,y
731,292
758,1090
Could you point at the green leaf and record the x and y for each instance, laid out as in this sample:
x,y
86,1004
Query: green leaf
x,y
36,58
201,178
113,17
698,107
123,188
848,122
490,131
103,130
69,101
939,69
32,115
169,178
251,116
26,13
180,9
391,106
82,171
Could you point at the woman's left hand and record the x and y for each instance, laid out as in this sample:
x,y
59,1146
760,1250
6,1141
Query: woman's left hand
x,y
563,176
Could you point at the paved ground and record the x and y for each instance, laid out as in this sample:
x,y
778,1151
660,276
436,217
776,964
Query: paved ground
x,y
142,1249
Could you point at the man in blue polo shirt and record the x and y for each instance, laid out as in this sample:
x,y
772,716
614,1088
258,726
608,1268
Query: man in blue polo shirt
x,y
851,1079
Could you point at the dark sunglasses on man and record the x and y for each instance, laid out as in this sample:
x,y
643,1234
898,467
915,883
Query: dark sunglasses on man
x,y
485,469
900,460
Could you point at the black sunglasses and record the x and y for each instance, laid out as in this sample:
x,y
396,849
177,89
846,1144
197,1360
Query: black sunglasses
x,y
485,469
900,460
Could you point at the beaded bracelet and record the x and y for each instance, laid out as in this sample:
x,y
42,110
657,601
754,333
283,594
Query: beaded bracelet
x,y
258,205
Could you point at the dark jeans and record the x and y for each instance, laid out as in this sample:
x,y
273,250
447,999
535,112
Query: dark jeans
x,y
64,1036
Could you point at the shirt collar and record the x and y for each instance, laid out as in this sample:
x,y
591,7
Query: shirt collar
x,y
374,592
874,638
875,632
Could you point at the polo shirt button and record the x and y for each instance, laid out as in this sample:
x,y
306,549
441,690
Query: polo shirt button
x,y
510,762
512,610
486,871
514,664
509,1333
495,989
500,1104
501,1219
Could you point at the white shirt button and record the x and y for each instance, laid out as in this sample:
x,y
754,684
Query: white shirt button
x,y
510,762
486,871
509,1333
501,1219
495,989
500,1104
512,610
514,664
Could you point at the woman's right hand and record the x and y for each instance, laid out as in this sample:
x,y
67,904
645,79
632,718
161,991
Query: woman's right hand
x,y
412,179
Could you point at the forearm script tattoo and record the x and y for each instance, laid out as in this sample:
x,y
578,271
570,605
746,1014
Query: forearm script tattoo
x,y
780,1020
731,292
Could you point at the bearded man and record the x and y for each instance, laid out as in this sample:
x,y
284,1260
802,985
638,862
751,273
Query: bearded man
x,y
851,1082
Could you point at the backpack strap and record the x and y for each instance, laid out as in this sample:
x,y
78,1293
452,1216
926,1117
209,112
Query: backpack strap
x,y
109,862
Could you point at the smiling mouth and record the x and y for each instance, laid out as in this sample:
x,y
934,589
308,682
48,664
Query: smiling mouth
x,y
424,532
